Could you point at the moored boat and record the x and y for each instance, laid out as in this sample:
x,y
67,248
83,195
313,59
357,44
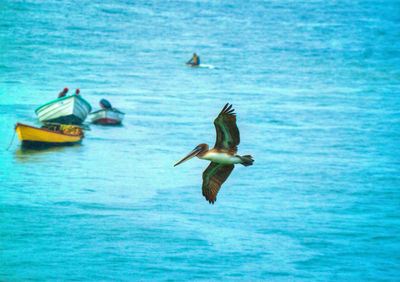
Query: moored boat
x,y
107,115
50,134
72,109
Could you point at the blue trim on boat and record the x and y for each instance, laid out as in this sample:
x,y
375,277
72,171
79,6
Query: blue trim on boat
x,y
64,98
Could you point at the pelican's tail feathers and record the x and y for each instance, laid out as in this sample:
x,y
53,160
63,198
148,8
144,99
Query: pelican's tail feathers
x,y
247,160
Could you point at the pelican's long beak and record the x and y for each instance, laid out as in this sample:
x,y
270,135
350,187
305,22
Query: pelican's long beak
x,y
192,154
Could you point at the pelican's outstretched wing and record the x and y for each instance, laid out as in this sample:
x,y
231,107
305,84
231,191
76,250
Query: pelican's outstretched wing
x,y
227,132
213,177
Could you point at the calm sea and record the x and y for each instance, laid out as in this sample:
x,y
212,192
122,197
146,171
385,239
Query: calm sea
x,y
315,84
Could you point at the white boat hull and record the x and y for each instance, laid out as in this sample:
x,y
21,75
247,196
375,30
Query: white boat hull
x,y
68,110
107,116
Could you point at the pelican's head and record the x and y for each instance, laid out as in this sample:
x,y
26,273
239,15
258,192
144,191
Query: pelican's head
x,y
199,151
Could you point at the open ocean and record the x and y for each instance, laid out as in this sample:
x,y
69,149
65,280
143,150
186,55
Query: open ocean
x,y
316,88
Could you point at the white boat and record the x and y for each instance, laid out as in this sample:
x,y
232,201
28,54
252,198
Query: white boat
x,y
107,116
72,109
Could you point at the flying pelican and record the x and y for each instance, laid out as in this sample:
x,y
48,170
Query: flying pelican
x,y
223,156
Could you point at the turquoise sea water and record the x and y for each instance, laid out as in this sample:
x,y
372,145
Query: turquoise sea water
x,y
316,85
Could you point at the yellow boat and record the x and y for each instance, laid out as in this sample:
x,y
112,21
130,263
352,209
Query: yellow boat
x,y
50,134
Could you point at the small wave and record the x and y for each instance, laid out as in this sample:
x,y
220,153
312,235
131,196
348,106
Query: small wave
x,y
207,66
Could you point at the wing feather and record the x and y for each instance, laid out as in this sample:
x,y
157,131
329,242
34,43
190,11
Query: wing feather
x,y
228,136
213,177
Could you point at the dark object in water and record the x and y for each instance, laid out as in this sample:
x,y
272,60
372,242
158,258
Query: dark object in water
x,y
105,104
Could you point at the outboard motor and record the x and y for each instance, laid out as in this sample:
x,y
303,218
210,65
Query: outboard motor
x,y
105,104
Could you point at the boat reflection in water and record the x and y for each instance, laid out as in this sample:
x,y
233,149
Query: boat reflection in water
x,y
42,154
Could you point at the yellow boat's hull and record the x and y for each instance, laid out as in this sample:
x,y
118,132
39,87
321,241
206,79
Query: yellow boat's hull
x,y
34,136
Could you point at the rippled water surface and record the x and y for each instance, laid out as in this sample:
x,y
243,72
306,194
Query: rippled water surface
x,y
316,88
